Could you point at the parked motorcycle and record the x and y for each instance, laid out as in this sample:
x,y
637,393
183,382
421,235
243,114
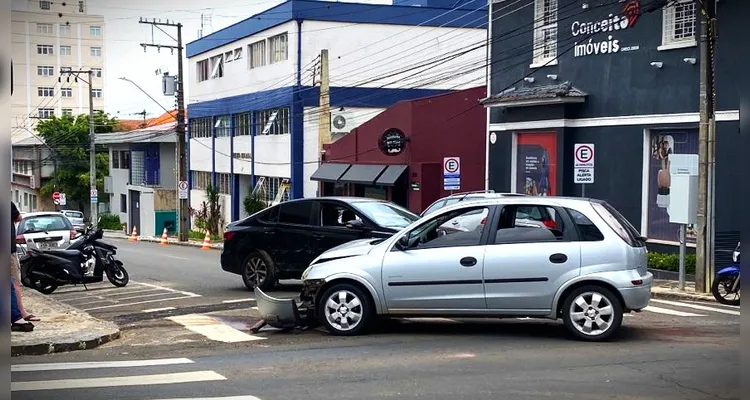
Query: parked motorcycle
x,y
85,261
726,286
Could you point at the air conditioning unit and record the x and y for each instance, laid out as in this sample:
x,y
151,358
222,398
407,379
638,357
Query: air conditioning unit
x,y
340,122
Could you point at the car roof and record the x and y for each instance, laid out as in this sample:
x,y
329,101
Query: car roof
x,y
559,201
485,195
346,199
42,213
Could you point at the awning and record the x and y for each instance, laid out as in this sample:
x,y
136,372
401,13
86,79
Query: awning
x,y
391,175
363,174
329,172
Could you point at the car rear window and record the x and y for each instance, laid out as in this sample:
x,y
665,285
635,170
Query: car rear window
x,y
44,223
73,214
619,224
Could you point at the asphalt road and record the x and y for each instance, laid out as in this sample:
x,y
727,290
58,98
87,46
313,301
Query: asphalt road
x,y
673,350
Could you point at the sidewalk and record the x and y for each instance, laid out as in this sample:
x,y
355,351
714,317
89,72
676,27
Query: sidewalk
x,y
62,328
668,290
153,239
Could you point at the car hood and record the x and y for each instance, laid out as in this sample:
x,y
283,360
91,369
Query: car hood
x,y
350,249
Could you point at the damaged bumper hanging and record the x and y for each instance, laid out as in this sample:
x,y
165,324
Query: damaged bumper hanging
x,y
283,314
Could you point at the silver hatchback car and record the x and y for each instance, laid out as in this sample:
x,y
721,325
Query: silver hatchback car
x,y
584,263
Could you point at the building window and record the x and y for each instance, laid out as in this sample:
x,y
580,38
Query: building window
x,y
96,51
545,31
96,93
679,23
45,5
123,203
217,66
65,50
80,7
200,180
66,92
279,48
46,113
272,122
222,126
44,70
67,112
45,49
95,31
202,70
257,53
201,128
45,92
223,183
115,159
270,188
33,202
237,53
228,56
124,159
242,124
44,28
64,30
97,72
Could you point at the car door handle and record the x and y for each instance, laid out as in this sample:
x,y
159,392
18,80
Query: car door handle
x,y
269,232
558,258
318,236
468,261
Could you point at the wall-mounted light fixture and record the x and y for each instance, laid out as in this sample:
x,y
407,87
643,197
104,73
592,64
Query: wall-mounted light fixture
x,y
552,77
657,64
529,79
689,60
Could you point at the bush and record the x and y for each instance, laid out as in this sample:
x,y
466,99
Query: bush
x,y
110,221
252,203
671,262
195,235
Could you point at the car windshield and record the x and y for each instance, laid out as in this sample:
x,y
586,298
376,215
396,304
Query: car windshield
x,y
386,215
44,223
73,214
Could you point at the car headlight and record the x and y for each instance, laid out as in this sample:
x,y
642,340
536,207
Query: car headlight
x,y
306,272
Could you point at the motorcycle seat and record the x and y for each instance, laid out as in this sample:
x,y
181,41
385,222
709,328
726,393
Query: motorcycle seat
x,y
64,253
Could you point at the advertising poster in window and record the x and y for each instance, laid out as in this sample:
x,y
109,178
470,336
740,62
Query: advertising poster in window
x,y
536,164
668,150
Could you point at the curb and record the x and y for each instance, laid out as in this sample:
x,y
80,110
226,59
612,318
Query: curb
x,y
49,348
682,296
214,246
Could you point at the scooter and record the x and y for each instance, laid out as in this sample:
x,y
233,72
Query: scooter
x,y
85,261
726,286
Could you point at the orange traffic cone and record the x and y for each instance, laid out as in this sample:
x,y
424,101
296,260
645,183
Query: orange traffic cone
x,y
164,238
206,242
134,235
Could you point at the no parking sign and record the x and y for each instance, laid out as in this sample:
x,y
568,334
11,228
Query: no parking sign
x,y
583,169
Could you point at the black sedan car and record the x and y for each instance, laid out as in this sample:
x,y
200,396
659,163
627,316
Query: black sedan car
x,y
281,241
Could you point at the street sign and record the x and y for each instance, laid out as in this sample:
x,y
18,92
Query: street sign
x,y
583,167
56,196
63,201
182,190
94,196
451,173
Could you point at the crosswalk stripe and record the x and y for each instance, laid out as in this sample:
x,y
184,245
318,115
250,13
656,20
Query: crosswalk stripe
x,y
97,364
135,380
213,329
696,306
238,300
671,312
217,398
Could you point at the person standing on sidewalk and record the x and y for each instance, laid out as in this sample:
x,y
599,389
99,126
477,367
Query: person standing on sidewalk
x,y
15,267
17,322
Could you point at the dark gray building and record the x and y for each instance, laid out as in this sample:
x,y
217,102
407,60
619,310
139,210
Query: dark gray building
x,y
623,76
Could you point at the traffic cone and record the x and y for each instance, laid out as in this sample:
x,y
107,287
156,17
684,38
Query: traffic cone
x,y
134,235
206,242
164,238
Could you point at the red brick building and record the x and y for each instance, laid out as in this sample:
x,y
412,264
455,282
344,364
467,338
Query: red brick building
x,y
398,155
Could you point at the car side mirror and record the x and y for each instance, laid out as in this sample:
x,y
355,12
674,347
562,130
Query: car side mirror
x,y
402,243
356,224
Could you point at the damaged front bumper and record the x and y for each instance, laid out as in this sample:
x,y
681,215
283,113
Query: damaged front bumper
x,y
283,314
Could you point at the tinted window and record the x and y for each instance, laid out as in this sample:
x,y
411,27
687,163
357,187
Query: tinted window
x,y
587,231
387,215
296,212
436,206
336,215
516,223
44,223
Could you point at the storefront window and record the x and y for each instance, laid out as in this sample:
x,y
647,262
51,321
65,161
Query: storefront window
x,y
670,151
376,192
536,164
386,214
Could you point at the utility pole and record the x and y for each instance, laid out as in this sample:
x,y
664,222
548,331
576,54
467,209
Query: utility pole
x,y
324,114
92,138
705,206
182,210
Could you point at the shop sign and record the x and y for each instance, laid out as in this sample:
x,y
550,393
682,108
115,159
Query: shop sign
x,y
610,25
415,186
392,142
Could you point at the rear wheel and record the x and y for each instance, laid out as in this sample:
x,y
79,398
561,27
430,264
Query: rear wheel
x,y
258,271
44,286
722,290
592,313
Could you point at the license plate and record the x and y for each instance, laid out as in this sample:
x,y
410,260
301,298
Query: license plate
x,y
47,245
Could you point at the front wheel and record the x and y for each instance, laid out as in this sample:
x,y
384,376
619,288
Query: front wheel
x,y
592,313
117,274
345,310
44,286
722,290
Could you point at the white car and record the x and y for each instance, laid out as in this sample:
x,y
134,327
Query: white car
x,y
76,218
44,231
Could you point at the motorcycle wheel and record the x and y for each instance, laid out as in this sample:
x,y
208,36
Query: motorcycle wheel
x,y
118,276
725,283
44,287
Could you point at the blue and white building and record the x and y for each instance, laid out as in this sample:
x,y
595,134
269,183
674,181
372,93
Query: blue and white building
x,y
253,103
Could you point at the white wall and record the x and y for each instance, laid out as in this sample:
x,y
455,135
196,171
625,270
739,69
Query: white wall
x,y
361,52
147,214
120,179
273,155
222,154
200,154
238,77
242,145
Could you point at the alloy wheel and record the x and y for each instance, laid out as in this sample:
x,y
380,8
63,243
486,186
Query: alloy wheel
x,y
592,313
343,310
257,271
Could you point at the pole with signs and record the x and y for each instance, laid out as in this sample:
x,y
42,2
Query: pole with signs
x,y
583,169
451,173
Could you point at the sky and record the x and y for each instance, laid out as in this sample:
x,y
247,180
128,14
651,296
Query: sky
x,y
124,57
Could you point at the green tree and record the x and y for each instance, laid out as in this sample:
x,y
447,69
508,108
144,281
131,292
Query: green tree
x,y
68,139
253,202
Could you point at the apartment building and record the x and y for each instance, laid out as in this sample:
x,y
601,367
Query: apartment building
x,y
48,37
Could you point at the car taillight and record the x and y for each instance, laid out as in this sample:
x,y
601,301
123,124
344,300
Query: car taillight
x,y
20,239
550,224
228,236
